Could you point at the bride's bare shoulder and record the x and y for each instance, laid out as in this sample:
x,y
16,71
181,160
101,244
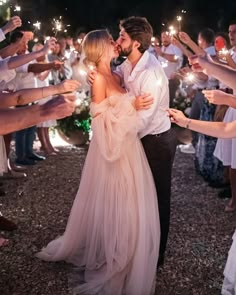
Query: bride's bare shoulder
x,y
99,88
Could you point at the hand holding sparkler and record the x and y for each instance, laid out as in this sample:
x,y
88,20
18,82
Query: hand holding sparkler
x,y
222,54
49,45
199,62
68,86
178,118
14,22
184,37
57,65
176,42
217,97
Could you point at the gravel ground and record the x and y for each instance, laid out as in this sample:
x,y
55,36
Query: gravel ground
x,y
200,233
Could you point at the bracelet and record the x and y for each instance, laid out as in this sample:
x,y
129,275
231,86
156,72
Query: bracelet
x,y
188,123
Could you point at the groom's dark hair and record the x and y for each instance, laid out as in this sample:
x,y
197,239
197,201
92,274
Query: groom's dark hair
x,y
139,29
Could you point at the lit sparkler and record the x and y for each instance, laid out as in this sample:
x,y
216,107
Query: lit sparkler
x,y
172,31
224,51
37,25
190,77
179,19
17,8
57,25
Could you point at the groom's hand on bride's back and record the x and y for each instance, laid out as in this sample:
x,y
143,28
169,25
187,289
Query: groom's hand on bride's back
x,y
91,76
143,102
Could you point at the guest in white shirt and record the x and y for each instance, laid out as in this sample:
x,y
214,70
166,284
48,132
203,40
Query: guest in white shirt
x,y
171,59
25,78
201,81
142,73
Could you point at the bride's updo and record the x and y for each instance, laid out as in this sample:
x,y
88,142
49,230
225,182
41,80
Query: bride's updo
x,y
95,44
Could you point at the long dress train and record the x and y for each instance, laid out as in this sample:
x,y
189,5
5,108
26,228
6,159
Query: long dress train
x,y
113,230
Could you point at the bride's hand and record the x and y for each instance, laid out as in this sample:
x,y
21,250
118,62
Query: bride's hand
x,y
143,102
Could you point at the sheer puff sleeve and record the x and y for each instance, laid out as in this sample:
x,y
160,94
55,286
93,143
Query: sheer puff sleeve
x,y
114,125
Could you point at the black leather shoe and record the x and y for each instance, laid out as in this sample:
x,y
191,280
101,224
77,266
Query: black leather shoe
x,y
2,193
25,162
160,262
6,224
225,193
36,157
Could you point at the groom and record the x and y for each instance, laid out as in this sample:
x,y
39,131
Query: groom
x,y
142,73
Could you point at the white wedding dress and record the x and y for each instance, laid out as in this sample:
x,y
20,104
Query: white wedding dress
x,y
113,232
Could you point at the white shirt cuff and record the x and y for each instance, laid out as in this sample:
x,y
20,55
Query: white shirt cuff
x,y
2,36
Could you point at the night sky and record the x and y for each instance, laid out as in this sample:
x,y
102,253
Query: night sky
x,y
107,13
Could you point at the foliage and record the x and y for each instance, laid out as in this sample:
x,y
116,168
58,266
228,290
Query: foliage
x,y
182,100
80,119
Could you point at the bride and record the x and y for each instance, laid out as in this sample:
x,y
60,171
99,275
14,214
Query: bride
x,y
112,235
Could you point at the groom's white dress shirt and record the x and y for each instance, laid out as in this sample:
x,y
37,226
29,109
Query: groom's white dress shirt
x,y
148,77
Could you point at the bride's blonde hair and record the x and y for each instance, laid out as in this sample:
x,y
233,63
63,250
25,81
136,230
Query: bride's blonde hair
x,y
95,45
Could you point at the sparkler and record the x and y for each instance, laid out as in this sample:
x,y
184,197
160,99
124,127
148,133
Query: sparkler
x,y
153,41
190,77
57,25
17,8
172,31
179,19
37,25
224,51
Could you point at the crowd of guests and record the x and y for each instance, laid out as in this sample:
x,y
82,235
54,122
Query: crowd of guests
x,y
29,82
28,99
214,159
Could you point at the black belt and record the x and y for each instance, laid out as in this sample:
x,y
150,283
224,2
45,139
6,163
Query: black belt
x,y
159,134
207,88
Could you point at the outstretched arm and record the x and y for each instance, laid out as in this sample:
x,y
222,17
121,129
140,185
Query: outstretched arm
x,y
184,37
17,119
17,61
12,48
223,73
26,96
219,97
216,129
178,44
11,25
40,67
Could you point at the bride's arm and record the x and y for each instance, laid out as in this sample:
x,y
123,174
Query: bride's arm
x,y
98,89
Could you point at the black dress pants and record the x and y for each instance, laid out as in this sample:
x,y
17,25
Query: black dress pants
x,y
160,152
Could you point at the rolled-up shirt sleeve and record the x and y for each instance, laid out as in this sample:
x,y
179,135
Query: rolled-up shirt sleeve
x,y
4,64
2,36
